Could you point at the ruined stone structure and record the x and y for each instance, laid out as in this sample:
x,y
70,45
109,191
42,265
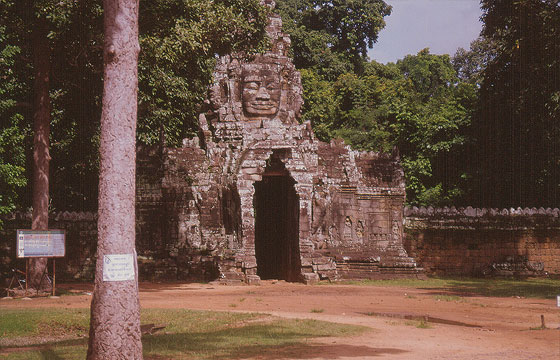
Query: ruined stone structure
x,y
257,196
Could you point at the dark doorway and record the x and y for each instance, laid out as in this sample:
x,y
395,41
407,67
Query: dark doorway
x,y
277,225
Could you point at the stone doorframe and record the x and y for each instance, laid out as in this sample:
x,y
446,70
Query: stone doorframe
x,y
250,169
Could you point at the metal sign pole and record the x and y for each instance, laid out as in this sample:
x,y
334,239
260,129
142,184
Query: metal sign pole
x,y
26,272
53,276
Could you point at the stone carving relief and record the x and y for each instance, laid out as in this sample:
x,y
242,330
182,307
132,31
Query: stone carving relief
x,y
320,240
334,236
379,228
348,229
360,231
267,87
261,90
396,227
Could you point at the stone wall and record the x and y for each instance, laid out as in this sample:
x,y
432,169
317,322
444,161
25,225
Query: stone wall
x,y
445,241
476,242
169,237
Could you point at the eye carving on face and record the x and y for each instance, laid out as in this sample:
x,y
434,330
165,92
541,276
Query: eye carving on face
x,y
261,94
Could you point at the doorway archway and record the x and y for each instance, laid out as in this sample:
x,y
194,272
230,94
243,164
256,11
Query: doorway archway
x,y
276,206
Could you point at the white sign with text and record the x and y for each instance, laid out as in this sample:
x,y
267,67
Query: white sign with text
x,y
118,267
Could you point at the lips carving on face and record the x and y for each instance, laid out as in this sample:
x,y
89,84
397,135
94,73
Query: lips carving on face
x,y
263,105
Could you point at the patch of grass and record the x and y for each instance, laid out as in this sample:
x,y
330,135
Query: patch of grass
x,y
17,323
414,283
449,298
317,311
410,297
538,328
48,352
187,334
38,329
182,320
420,324
479,304
232,305
528,288
423,324
66,292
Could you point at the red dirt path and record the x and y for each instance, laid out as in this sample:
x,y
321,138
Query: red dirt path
x,y
484,327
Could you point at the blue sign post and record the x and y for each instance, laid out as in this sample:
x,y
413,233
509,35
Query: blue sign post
x,y
35,243
38,243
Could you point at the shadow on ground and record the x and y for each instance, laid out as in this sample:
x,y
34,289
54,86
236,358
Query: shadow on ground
x,y
254,340
265,341
529,288
322,351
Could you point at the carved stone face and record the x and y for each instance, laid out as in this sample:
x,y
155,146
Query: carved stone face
x,y
261,92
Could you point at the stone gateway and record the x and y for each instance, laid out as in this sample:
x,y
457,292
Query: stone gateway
x,y
257,196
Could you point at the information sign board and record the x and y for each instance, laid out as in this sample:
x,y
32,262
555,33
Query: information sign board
x,y
118,267
36,243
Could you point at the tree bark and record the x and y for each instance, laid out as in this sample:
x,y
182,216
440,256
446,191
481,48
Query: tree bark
x,y
115,308
41,131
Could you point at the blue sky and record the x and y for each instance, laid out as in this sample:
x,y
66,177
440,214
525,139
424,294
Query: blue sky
x,y
441,25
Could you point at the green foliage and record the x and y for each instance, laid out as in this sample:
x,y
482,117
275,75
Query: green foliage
x,y
417,104
332,37
12,170
470,65
318,103
430,74
449,298
516,129
76,95
179,41
12,130
423,324
479,128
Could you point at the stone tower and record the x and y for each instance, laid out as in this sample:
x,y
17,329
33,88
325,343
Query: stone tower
x,y
257,196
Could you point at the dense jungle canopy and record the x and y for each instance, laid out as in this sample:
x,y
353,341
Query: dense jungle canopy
x,y
478,128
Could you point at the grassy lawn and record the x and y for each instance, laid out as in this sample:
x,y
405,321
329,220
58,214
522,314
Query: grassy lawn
x,y
528,288
28,334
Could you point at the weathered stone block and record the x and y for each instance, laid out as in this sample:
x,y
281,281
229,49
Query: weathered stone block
x,y
253,280
310,278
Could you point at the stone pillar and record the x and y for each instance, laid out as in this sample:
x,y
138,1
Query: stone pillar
x,y
246,257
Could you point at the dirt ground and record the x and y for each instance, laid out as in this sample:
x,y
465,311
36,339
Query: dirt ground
x,y
472,327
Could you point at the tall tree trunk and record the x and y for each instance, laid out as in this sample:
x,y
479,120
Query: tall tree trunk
x,y
115,308
41,129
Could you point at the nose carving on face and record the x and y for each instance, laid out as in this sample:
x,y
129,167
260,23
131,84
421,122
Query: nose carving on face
x,y
262,93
